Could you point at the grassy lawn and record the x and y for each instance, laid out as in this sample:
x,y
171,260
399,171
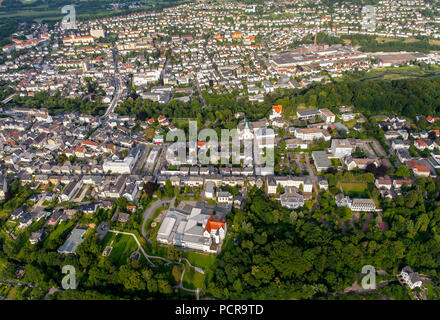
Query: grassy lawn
x,y
335,162
201,260
413,71
354,186
108,239
12,294
11,224
153,234
33,13
351,123
61,229
434,42
433,291
159,210
4,290
123,247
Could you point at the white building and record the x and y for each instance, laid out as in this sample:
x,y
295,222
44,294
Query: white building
x,y
327,115
224,197
210,190
70,190
310,134
410,278
197,231
122,166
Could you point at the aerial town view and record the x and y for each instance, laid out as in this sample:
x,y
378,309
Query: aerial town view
x,y
219,150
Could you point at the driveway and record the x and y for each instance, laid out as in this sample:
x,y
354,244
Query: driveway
x,y
310,168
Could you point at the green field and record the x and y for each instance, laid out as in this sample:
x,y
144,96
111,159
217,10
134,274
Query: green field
x,y
402,72
335,162
61,229
201,260
353,186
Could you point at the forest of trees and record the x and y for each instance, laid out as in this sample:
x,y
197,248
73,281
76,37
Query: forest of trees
x,y
407,97
57,103
97,278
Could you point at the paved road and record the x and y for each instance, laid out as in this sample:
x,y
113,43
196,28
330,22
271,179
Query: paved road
x,y
161,158
148,213
314,181
118,87
362,290
142,159
310,168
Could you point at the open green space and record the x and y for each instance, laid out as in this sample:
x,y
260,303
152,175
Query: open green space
x,y
201,260
353,186
61,229
390,73
192,279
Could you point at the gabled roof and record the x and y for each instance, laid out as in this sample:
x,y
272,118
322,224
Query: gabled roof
x,y
211,224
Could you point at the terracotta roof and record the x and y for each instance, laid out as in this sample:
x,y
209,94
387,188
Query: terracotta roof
x,y
277,108
211,224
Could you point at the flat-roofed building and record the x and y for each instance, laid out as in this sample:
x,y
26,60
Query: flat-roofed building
x,y
358,204
209,190
327,115
76,237
195,230
310,134
341,148
307,114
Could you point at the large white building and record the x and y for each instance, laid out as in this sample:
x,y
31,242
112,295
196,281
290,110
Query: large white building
x,y
356,204
327,115
410,278
341,148
309,134
195,231
70,190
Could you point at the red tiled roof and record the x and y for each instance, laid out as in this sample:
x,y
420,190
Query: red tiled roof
x,y
211,224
